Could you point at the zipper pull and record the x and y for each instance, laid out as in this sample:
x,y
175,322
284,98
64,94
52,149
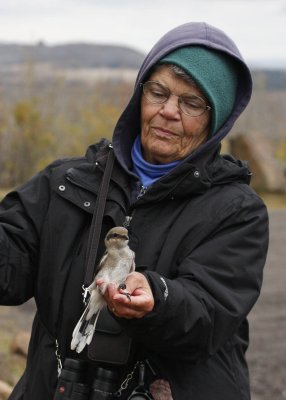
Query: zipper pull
x,y
143,190
127,221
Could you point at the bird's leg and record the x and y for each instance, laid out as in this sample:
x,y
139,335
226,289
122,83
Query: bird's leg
x,y
122,286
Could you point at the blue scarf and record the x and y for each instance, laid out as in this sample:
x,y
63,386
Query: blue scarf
x,y
148,173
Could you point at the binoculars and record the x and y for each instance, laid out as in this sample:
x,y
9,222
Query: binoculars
x,y
72,384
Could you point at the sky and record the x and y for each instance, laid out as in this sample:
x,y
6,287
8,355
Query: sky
x,y
258,27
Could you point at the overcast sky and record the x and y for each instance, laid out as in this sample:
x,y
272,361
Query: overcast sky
x,y
257,26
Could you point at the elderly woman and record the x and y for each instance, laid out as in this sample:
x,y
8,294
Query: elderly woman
x,y
199,232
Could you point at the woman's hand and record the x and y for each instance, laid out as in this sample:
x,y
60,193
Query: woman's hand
x,y
139,302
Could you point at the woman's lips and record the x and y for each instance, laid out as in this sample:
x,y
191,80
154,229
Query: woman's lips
x,y
162,132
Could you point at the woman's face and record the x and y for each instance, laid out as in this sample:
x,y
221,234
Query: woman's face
x,y
167,134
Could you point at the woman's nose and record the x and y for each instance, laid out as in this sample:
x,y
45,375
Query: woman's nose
x,y
170,109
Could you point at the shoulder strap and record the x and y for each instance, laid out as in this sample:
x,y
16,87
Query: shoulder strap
x,y
95,229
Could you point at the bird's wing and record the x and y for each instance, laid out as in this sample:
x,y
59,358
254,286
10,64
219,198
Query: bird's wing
x,y
132,266
95,303
102,261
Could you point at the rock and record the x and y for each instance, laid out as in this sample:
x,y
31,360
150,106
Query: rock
x,y
20,343
5,390
268,172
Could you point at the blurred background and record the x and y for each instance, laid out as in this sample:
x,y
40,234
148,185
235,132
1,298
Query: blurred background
x,y
67,70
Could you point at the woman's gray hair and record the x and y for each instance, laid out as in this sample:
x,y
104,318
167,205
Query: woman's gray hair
x,y
178,71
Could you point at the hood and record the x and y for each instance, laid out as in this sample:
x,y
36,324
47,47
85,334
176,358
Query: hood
x,y
194,33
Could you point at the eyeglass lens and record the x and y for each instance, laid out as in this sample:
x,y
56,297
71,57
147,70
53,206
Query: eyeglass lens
x,y
189,103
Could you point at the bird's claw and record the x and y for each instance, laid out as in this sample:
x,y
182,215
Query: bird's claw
x,y
122,286
127,295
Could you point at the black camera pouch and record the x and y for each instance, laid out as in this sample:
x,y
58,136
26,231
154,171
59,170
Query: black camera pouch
x,y
110,344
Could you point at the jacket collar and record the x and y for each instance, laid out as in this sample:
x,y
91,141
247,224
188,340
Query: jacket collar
x,y
190,178
194,177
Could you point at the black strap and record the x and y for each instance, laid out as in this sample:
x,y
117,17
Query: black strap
x,y
95,229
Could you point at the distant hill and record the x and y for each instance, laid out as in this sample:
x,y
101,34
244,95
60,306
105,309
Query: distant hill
x,y
79,56
75,55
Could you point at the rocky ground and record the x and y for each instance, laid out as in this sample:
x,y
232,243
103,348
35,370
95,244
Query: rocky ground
x,y
267,352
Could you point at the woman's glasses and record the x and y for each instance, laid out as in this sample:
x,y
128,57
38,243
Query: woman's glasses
x,y
189,103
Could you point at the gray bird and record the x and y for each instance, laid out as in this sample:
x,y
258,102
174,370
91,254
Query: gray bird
x,y
116,263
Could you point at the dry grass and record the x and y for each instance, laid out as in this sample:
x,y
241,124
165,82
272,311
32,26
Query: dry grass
x,y
3,192
12,320
274,200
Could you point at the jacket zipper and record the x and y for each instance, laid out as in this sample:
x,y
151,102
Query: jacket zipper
x,y
127,221
142,191
128,218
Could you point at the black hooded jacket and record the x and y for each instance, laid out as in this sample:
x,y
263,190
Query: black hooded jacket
x,y
200,234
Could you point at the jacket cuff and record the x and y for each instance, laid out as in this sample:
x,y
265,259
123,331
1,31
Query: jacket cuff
x,y
160,290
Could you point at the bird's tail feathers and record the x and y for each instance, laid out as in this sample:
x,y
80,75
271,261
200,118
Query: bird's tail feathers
x,y
83,333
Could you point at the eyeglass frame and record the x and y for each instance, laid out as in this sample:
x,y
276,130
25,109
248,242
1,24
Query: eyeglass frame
x,y
204,108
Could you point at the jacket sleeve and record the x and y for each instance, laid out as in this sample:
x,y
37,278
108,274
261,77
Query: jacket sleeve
x,y
216,285
22,214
